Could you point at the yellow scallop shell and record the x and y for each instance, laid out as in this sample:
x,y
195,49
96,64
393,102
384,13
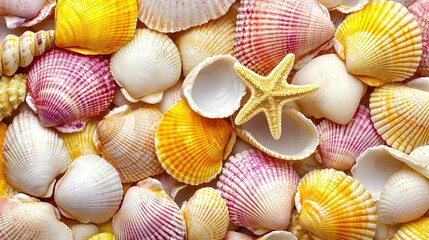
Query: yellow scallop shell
x,y
80,143
103,236
12,93
415,230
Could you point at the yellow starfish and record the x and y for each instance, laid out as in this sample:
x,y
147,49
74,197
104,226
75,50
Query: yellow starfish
x,y
269,94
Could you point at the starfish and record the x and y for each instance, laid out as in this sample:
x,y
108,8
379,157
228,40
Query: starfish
x,y
269,94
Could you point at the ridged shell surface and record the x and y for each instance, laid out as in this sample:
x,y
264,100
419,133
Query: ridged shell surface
x,y
12,93
80,143
380,43
190,147
259,191
148,213
94,26
5,188
103,236
333,205
416,230
420,10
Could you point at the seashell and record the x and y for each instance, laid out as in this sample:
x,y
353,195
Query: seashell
x,y
214,83
420,10
83,231
206,215
42,8
148,213
296,229
406,3
170,185
12,93
146,66
404,197
307,165
213,38
65,89
24,217
20,51
26,9
333,205
94,26
278,235
256,188
267,30
90,190
170,97
5,188
31,165
337,18
103,236
385,231
344,6
416,230
231,235
299,136
119,100
348,91
126,139
340,145
387,48
396,113
105,227
190,147
174,16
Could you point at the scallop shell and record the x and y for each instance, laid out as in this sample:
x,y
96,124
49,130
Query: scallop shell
x,y
103,236
416,230
386,48
27,8
340,145
20,51
94,26
206,215
231,235
126,139
256,188
12,93
146,66
190,147
214,83
5,188
90,190
333,205
396,113
65,89
278,235
31,165
83,231
420,10
267,30
148,213
344,6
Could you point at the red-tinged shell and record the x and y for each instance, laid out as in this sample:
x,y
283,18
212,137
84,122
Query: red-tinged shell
x,y
65,89
420,10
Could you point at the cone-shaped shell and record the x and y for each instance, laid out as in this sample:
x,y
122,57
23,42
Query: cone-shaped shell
x,y
416,230
12,93
381,43
333,205
80,143
147,212
258,191
189,146
90,190
146,66
34,156
103,236
65,89
126,139
206,215
94,26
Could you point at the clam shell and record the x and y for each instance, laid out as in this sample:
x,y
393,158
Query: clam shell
x,y
146,66
65,89
214,83
148,213
94,26
31,165
90,190
416,230
126,139
333,205
387,48
190,147
103,236
45,11
12,93
420,10
258,191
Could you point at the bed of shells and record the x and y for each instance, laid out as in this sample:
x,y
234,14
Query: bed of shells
x,y
216,119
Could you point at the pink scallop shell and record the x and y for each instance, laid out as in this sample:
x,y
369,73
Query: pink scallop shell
x,y
65,89
420,10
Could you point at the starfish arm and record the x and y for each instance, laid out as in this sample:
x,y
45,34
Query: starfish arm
x,y
295,91
282,70
274,119
249,110
248,77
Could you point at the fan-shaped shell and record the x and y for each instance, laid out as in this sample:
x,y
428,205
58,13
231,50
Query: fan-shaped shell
x,y
5,188
90,190
148,213
258,191
80,143
420,10
146,66
333,205
381,43
126,139
231,235
94,26
65,89
190,147
12,93
416,230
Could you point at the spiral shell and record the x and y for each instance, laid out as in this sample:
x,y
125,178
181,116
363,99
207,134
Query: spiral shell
x,y
12,93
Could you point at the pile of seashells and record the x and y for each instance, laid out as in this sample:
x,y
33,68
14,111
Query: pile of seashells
x,y
214,119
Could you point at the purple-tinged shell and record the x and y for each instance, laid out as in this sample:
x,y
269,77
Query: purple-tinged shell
x,y
420,10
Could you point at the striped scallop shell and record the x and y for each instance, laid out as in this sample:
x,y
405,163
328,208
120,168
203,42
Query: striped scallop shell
x,y
12,93
126,139
65,89
258,190
33,156
206,215
333,205
415,230
380,43
5,188
396,111
94,26
190,147
147,212
146,66
231,235
420,10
